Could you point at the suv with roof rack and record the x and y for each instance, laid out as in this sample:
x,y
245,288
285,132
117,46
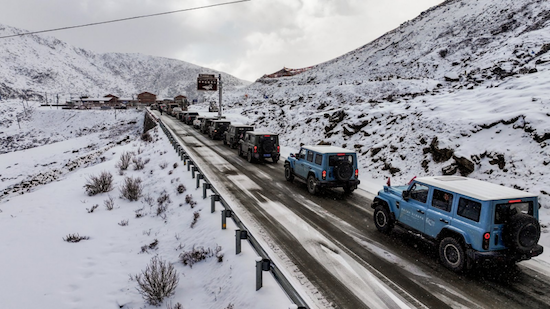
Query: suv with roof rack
x,y
472,221
259,145
324,167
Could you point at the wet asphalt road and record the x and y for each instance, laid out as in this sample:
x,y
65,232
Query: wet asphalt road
x,y
400,261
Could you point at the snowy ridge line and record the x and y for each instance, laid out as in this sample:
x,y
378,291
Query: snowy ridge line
x,y
283,282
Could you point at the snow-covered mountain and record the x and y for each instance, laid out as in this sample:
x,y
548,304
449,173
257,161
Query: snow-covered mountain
x,y
36,66
464,88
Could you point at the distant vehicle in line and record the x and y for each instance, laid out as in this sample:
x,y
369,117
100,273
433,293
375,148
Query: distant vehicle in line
x,y
235,133
257,146
218,128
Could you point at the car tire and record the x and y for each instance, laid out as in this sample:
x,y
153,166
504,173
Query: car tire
x,y
224,142
452,254
311,185
289,176
240,152
275,159
249,157
343,171
382,219
522,233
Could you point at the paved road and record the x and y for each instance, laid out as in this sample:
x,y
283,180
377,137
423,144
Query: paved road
x,y
333,243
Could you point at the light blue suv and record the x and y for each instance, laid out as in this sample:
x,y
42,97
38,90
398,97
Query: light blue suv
x,y
471,220
324,167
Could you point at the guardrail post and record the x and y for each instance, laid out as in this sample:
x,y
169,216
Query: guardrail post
x,y
239,234
226,213
185,158
193,170
189,165
205,186
199,177
214,198
261,265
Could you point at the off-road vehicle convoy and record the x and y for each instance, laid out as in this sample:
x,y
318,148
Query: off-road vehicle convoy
x,y
235,133
218,128
259,146
324,167
205,124
472,221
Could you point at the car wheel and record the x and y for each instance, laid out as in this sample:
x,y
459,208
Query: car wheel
x,y
275,159
289,176
249,157
382,219
240,152
224,142
311,185
451,254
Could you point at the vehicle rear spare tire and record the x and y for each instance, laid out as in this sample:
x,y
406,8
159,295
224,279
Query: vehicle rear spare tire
x,y
343,171
522,233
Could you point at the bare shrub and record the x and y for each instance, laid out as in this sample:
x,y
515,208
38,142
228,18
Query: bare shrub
x,y
109,203
175,165
139,163
93,208
151,246
138,212
131,189
195,255
146,137
75,238
192,204
196,216
188,198
125,159
149,200
123,223
157,282
181,188
176,306
162,202
230,306
163,165
99,184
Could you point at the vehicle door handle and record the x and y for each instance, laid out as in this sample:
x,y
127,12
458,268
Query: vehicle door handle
x,y
443,220
420,211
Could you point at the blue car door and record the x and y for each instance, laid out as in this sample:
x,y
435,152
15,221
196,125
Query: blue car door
x,y
439,212
300,165
413,210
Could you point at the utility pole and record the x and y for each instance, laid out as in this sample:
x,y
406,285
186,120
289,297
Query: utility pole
x,y
220,90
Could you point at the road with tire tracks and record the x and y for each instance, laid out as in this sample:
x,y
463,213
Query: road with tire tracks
x,y
331,240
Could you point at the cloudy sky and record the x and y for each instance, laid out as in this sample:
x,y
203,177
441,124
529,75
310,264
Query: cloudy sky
x,y
246,39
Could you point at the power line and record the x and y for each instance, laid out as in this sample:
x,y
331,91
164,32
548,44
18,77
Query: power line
x,y
124,19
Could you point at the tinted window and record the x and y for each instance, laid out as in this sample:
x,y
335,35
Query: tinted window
x,y
318,159
419,192
504,211
272,138
469,209
442,200
334,159
310,156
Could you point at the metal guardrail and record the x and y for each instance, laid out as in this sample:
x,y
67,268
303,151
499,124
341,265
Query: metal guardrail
x,y
263,263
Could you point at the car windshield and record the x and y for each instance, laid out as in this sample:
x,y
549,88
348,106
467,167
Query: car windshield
x,y
334,159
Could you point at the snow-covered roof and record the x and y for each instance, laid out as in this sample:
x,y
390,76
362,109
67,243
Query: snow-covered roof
x,y
328,149
261,133
477,189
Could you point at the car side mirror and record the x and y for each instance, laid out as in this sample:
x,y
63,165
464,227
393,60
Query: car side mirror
x,y
406,195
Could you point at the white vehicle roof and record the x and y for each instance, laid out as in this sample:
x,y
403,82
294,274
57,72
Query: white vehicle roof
x,y
328,149
477,189
261,133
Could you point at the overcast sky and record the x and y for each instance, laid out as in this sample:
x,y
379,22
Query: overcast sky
x,y
246,39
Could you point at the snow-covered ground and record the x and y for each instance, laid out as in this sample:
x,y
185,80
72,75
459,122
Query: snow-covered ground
x,y
41,270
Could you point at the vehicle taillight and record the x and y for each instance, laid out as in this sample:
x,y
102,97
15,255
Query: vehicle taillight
x,y
255,149
324,175
340,154
356,173
486,239
278,148
514,201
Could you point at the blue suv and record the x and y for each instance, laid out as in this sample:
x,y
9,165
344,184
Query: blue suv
x,y
472,221
324,167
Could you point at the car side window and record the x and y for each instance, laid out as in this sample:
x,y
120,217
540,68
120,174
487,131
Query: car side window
x,y
318,159
302,154
310,156
419,193
442,200
469,209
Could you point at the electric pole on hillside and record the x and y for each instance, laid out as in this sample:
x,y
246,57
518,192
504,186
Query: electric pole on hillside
x,y
220,103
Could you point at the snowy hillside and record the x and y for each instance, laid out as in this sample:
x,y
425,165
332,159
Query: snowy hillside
x,y
38,66
464,88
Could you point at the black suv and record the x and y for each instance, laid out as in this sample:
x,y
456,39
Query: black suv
x,y
259,145
218,128
235,133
